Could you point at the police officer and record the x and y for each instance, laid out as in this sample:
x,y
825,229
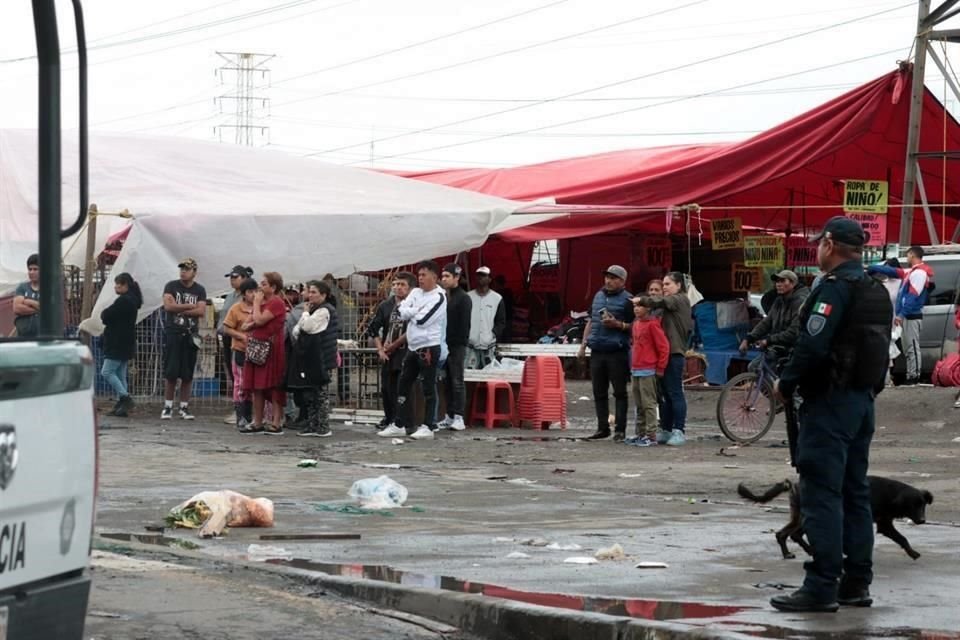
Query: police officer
x,y
838,365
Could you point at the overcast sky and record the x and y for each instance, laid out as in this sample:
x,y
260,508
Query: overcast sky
x,y
501,82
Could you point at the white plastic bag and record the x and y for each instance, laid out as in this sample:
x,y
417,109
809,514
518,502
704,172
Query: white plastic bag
x,y
378,493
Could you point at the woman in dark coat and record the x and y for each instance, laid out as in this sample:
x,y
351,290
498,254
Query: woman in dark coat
x,y
120,339
313,356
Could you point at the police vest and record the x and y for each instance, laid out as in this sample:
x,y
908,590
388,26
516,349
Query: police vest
x,y
861,346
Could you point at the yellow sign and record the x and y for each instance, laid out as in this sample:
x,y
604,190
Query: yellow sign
x,y
744,278
763,251
726,233
865,196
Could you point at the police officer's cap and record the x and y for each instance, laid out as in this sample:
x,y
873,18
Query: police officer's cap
x,y
844,230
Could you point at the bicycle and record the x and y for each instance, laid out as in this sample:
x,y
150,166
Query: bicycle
x,y
747,407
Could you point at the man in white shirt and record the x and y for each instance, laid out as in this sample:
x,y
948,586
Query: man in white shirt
x,y
487,322
424,310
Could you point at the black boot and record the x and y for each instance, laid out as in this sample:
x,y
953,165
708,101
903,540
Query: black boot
x,y
854,593
801,601
599,435
248,411
241,418
116,407
124,404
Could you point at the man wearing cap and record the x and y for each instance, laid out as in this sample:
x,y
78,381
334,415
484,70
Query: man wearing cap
x,y
779,328
237,275
488,319
459,311
838,365
608,336
185,302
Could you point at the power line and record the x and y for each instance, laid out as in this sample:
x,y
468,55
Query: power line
x,y
491,56
639,108
291,4
780,90
617,83
421,43
283,80
640,134
164,21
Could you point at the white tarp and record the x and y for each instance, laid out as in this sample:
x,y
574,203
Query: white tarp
x,y
225,204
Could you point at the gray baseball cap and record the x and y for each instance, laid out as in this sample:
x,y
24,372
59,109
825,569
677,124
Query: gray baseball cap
x,y
616,271
786,274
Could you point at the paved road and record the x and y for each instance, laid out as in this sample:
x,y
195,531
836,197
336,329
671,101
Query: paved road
x,y
147,599
476,488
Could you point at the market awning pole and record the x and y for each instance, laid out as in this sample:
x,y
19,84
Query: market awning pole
x,y
913,128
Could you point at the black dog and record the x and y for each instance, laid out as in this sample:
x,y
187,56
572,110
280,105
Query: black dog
x,y
889,499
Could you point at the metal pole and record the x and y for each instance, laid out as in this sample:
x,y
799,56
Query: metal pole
x,y
48,134
931,227
913,128
89,264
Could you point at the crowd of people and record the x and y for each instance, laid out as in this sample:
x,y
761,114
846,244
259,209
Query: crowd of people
x,y
836,335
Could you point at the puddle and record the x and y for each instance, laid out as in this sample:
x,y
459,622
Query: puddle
x,y
634,608
769,631
148,538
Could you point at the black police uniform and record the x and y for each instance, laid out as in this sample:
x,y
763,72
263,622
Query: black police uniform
x,y
838,383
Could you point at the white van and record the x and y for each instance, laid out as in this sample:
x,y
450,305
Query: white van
x,y
48,456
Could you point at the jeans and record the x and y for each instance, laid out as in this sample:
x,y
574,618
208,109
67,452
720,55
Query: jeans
x,y
832,459
115,373
911,347
673,411
422,364
610,369
454,388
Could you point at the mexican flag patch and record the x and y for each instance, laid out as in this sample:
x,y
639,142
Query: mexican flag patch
x,y
823,308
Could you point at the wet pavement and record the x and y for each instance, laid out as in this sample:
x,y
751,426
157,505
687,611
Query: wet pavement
x,y
477,496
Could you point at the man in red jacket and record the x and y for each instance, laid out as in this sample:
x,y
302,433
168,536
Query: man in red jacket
x,y
648,359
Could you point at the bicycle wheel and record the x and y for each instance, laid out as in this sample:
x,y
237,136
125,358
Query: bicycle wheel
x,y
744,411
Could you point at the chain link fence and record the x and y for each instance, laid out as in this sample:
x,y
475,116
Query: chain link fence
x,y
358,378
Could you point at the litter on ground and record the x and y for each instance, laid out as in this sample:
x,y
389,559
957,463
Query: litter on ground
x,y
613,552
651,565
580,560
210,512
378,493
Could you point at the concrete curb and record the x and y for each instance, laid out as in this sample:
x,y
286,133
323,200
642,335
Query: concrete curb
x,y
484,616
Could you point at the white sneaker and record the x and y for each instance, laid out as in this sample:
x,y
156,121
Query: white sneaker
x,y
423,432
185,414
167,413
392,431
457,423
445,423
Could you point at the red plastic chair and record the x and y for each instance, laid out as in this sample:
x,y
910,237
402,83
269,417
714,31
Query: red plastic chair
x,y
484,403
543,393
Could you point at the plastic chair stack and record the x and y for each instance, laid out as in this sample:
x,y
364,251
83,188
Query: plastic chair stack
x,y
484,403
543,393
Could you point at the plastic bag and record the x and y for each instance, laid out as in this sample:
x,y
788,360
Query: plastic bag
x,y
378,493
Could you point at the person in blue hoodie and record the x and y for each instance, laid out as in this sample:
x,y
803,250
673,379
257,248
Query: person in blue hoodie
x,y
120,339
608,336
916,283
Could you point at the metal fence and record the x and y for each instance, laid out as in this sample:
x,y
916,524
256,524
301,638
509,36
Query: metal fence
x,y
358,378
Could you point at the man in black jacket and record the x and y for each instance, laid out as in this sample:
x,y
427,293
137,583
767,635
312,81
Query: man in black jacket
x,y
388,333
780,328
459,309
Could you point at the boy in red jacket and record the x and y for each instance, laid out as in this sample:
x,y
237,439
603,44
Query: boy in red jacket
x,y
648,359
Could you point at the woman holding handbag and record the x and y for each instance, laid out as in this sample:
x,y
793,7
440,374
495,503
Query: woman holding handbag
x,y
265,366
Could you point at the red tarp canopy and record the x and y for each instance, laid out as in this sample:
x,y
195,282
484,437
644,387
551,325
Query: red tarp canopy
x,y
859,135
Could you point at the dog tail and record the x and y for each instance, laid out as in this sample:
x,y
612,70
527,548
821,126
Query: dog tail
x,y
768,495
